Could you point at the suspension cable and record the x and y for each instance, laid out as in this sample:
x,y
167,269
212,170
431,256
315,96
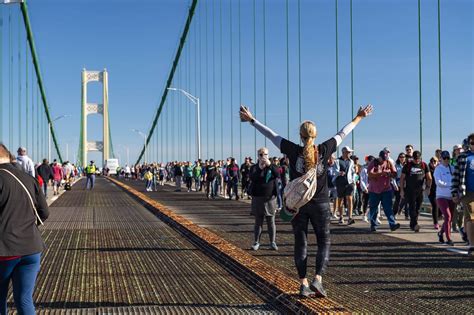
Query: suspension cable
x,y
287,73
419,75
352,80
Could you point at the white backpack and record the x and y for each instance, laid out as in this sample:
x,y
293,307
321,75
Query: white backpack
x,y
299,191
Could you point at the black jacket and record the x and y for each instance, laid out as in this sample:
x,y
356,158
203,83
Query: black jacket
x,y
45,171
19,234
263,181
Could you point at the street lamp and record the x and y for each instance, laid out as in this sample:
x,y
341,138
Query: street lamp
x,y
127,149
49,133
144,140
195,101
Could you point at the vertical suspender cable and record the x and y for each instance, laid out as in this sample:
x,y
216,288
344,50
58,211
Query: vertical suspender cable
x,y
419,75
200,58
439,79
255,71
10,79
1,73
207,85
287,74
214,78
337,76
352,81
27,129
231,84
240,87
222,85
20,128
38,147
264,71
299,60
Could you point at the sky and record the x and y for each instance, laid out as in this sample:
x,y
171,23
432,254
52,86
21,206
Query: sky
x,y
136,42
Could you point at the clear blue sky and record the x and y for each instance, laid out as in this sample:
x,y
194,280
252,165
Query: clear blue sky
x,y
136,42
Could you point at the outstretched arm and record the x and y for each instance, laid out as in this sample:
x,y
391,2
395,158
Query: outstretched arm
x,y
246,115
362,113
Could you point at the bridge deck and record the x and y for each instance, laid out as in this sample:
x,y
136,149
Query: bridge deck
x,y
368,272
108,254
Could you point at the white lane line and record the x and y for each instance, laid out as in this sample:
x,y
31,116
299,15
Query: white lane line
x,y
456,250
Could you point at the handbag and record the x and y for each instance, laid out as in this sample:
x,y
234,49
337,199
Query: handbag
x,y
38,219
299,192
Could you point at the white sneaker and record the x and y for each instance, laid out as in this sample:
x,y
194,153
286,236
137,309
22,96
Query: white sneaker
x,y
335,216
365,219
378,221
341,221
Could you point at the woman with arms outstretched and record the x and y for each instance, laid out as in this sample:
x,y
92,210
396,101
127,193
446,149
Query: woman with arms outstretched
x,y
317,210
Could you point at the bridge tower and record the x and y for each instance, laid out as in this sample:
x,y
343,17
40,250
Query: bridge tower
x,y
94,108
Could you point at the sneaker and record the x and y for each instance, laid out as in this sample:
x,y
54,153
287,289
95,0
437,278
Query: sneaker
x,y
378,221
463,235
317,287
256,246
351,221
335,216
440,237
449,242
395,227
365,219
416,228
341,221
273,246
305,291
436,226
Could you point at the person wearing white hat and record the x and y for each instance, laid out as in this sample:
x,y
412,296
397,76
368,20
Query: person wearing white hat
x,y
345,184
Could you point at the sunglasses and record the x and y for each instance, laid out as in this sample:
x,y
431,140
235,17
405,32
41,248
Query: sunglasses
x,y
263,154
445,157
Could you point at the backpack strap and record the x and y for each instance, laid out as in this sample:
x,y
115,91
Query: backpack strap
x,y
28,193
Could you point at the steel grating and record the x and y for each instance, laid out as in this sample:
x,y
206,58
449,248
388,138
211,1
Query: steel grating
x,y
117,257
368,273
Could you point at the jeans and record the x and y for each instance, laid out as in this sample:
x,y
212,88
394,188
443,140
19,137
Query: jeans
x,y
198,184
386,199
178,182
148,184
90,180
22,272
259,227
279,189
320,216
45,188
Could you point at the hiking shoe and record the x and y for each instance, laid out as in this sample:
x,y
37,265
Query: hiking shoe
x,y
416,228
351,221
317,287
440,237
305,291
255,246
273,246
449,242
395,227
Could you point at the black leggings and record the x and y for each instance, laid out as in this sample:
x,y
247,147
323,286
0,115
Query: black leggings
x,y
320,216
259,226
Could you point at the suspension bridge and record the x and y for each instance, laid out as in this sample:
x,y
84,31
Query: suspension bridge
x,y
117,249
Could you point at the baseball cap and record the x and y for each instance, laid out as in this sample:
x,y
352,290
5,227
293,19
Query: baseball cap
x,y
445,155
457,146
386,149
348,149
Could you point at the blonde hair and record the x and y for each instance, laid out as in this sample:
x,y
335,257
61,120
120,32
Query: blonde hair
x,y
308,133
261,150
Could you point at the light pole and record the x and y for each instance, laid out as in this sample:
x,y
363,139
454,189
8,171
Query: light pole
x,y
144,140
49,133
127,149
195,101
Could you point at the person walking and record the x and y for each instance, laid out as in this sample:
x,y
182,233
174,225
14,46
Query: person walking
x,y
233,175
263,176
399,203
58,176
414,179
24,161
188,175
245,173
22,207
462,189
432,196
178,175
380,172
44,170
442,177
90,175
345,182
317,210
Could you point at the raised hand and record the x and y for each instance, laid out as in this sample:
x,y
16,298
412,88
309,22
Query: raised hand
x,y
245,114
366,111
